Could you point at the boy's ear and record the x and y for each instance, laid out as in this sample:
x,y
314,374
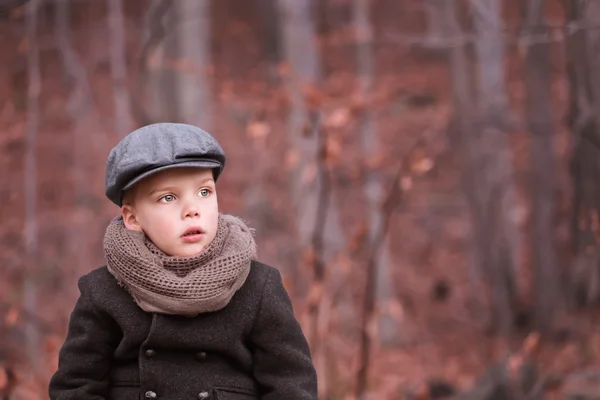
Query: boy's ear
x,y
129,219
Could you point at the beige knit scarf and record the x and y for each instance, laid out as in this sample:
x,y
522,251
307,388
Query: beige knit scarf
x,y
181,285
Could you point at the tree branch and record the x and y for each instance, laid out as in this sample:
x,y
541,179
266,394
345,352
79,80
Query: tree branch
x,y
391,201
118,67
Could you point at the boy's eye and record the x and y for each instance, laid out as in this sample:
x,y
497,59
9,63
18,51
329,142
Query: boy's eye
x,y
204,192
168,198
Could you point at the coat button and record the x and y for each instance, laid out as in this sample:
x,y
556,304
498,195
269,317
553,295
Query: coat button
x,y
150,353
203,395
201,355
150,394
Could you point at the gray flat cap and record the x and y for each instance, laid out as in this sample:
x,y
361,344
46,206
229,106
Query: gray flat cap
x,y
157,147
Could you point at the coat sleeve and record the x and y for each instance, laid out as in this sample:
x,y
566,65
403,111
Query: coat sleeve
x,y
85,357
282,362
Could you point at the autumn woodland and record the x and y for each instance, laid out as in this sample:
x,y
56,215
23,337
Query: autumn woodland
x,y
424,173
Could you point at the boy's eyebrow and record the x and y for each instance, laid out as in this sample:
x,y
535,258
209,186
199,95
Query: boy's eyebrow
x,y
162,189
172,188
206,180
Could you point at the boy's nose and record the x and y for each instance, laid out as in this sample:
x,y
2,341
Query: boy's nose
x,y
191,210
192,213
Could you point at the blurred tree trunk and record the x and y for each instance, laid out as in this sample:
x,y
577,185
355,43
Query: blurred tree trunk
x,y
79,109
487,168
118,66
31,233
373,186
583,64
5,88
489,171
487,15
379,293
174,63
538,81
156,89
459,131
320,237
192,30
304,74
271,30
435,23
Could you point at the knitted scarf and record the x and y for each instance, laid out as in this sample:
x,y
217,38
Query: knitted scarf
x,y
181,285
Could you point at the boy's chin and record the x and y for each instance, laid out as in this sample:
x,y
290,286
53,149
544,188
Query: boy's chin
x,y
188,251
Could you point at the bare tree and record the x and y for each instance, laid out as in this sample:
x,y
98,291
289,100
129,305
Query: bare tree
x,y
270,27
435,23
491,187
373,186
304,124
174,63
79,109
583,63
301,55
487,16
192,31
156,89
538,80
320,237
118,66
31,227
488,176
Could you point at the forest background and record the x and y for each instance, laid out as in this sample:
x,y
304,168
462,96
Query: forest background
x,y
423,172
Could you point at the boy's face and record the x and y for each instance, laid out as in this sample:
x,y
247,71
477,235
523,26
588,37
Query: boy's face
x,y
176,208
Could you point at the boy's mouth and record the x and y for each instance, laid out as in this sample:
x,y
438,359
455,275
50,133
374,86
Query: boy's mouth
x,y
192,235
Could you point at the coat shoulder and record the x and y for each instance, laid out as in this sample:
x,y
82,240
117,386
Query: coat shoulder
x,y
261,268
260,273
102,288
98,278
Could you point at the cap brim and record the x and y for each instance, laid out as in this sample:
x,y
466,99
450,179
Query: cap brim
x,y
186,164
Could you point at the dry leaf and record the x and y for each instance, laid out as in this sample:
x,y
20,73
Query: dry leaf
x,y
531,344
338,118
258,130
284,69
309,257
423,165
375,161
406,183
394,308
313,96
309,173
594,221
11,316
182,64
3,378
18,12
155,61
372,327
343,264
291,159
23,46
287,282
307,129
52,344
358,237
315,294
514,365
333,150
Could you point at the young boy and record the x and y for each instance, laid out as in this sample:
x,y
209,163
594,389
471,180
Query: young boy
x,y
182,310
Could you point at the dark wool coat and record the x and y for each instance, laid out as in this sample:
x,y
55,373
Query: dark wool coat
x,y
251,349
